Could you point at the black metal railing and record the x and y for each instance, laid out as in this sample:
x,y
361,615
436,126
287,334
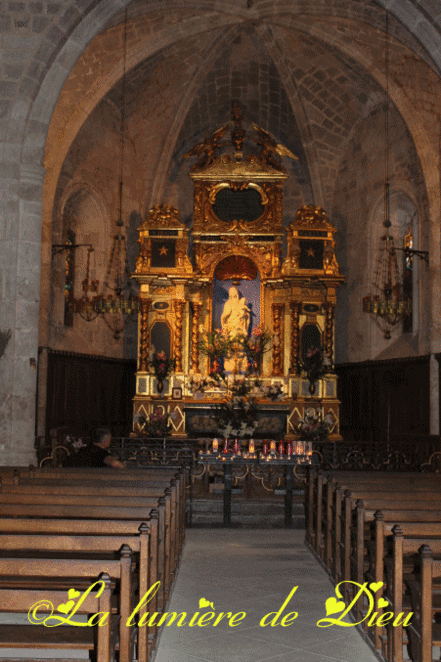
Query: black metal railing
x,y
409,453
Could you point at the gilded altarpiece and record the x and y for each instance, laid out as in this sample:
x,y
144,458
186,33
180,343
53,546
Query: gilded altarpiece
x,y
235,277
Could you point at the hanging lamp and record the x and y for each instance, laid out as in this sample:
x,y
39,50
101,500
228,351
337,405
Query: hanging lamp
x,y
118,302
386,304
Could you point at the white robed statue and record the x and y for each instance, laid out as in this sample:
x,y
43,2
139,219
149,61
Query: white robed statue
x,y
235,320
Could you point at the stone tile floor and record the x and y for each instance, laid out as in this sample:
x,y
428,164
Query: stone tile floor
x,y
254,570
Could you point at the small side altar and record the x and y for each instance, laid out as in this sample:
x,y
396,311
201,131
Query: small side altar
x,y
237,292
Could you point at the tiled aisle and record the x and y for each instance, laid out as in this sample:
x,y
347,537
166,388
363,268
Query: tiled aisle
x,y
254,571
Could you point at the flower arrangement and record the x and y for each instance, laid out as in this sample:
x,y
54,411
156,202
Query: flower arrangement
x,y
272,391
73,444
155,425
256,344
199,384
315,365
313,428
215,344
161,365
237,416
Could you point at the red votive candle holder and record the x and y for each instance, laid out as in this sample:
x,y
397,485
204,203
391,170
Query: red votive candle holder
x,y
265,447
281,448
226,446
236,446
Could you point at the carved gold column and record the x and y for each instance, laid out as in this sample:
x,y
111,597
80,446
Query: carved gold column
x,y
196,308
144,340
295,337
329,327
277,311
179,312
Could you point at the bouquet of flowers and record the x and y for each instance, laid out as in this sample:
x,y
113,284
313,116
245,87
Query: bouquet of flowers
x,y
237,416
199,384
73,444
156,425
313,428
161,365
215,344
272,391
256,344
316,364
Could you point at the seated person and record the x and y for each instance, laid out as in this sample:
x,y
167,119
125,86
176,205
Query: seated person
x,y
96,453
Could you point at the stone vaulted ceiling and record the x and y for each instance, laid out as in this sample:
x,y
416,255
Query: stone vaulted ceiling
x,y
309,73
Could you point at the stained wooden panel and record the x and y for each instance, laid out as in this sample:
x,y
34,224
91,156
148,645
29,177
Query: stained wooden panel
x,y
384,400
84,392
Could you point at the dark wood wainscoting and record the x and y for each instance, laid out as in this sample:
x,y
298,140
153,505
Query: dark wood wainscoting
x,y
85,392
385,401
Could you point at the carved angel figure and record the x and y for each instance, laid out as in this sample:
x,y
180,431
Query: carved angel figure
x,y
270,150
206,149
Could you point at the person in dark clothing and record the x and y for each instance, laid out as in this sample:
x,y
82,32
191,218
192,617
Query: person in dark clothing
x,y
96,453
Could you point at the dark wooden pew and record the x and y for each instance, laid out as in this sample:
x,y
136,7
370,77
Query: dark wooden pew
x,y
101,640
425,603
143,533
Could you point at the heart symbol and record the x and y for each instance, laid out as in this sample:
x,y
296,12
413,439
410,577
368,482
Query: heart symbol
x,y
375,586
382,603
65,608
333,606
204,603
73,594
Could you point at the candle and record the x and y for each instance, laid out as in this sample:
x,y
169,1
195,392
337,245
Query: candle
x,y
265,447
215,445
251,446
226,446
272,446
289,448
236,446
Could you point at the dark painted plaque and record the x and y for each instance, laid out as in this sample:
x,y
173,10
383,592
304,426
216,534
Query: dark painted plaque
x,y
237,205
311,254
163,253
